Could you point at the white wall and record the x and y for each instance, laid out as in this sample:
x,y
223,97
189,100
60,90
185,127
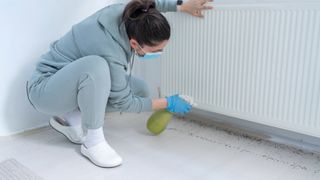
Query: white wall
x,y
27,28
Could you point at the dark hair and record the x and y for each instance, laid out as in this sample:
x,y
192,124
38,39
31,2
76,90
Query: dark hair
x,y
145,23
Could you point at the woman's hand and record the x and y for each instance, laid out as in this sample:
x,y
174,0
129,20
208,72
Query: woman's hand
x,y
180,104
195,7
176,104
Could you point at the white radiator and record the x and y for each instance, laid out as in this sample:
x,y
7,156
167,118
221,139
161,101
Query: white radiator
x,y
255,62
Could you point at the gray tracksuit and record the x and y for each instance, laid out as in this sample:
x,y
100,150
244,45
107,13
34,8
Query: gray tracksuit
x,y
86,68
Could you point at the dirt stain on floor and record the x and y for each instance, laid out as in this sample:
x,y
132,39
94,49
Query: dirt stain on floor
x,y
291,157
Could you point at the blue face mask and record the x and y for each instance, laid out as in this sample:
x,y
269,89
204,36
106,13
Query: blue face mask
x,y
150,56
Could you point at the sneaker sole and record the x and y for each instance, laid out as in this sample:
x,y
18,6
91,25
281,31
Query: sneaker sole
x,y
74,142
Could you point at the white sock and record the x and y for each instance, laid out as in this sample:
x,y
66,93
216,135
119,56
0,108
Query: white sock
x,y
94,137
73,118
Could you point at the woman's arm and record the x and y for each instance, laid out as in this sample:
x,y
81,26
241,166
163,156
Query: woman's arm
x,y
193,7
166,5
159,104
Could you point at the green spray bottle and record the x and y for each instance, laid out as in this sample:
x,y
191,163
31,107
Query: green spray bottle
x,y
159,120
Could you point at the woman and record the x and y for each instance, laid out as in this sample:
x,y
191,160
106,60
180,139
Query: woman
x,y
84,73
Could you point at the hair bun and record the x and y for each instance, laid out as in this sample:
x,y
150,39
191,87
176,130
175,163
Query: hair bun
x,y
138,7
146,5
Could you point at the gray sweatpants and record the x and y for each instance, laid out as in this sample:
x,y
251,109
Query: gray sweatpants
x,y
84,84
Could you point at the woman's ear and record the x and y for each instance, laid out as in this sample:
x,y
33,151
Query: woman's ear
x,y
133,43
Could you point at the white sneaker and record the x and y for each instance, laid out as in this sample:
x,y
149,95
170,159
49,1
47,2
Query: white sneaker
x,y
73,133
102,155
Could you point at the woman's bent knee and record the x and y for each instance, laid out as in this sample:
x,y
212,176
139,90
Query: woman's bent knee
x,y
95,64
56,94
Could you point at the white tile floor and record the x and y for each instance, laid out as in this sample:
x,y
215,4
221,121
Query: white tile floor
x,y
186,150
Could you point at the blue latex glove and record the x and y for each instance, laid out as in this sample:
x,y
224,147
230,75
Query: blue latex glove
x,y
178,105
